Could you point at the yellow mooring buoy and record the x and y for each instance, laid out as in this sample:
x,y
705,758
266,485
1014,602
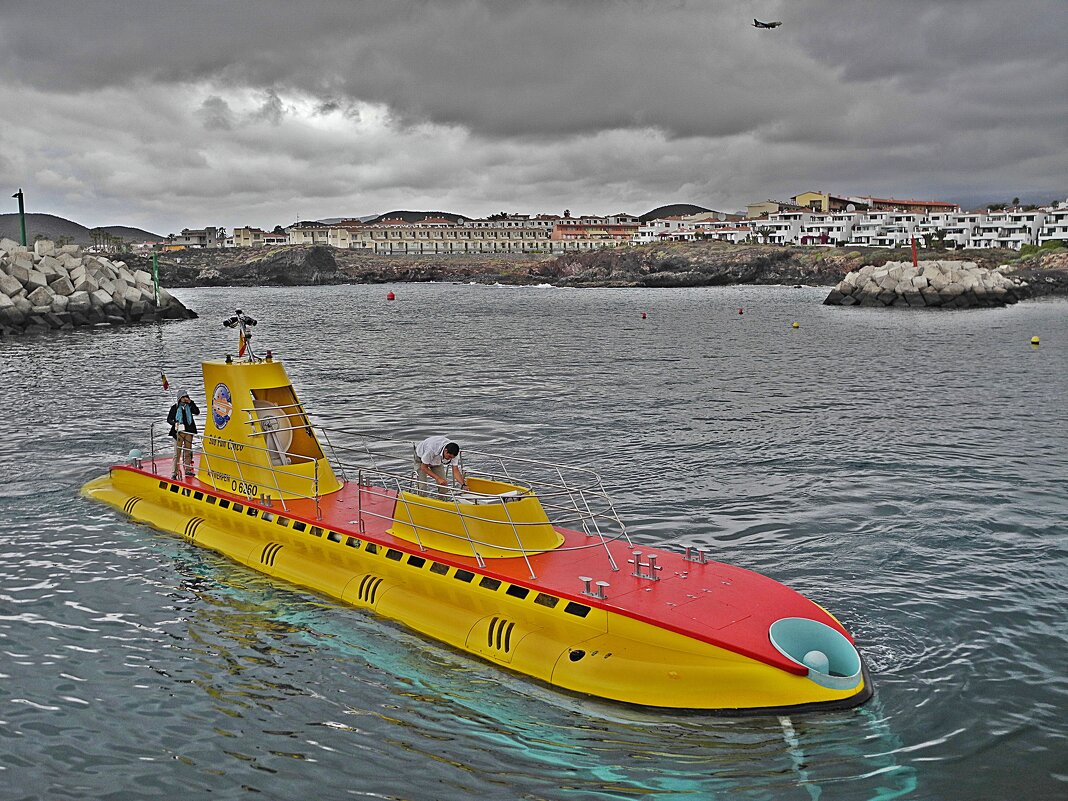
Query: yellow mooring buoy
x,y
1034,341
797,325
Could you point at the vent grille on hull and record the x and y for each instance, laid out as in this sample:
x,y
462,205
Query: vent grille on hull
x,y
270,553
368,592
499,634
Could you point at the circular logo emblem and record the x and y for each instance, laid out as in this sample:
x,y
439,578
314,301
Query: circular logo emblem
x,y
221,406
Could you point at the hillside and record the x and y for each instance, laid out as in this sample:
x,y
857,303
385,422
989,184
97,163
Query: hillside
x,y
673,210
58,229
416,216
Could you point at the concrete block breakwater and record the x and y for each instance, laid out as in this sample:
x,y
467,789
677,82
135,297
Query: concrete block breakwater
x,y
929,284
46,288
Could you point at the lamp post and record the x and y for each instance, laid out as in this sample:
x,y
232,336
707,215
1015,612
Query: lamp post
x,y
22,216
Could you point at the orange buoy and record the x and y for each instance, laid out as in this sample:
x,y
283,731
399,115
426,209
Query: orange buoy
x,y
390,296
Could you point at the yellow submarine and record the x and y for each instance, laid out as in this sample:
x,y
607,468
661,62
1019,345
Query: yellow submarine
x,y
536,574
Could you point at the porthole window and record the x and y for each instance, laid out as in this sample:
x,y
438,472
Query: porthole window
x,y
546,600
580,610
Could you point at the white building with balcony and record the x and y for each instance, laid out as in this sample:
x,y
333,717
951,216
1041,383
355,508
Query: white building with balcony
x,y
782,228
868,227
1055,226
734,232
829,229
658,230
1009,229
953,228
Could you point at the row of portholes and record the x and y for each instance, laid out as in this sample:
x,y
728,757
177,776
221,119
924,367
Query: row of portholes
x,y
460,574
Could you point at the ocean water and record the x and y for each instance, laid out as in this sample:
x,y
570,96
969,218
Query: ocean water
x,y
908,471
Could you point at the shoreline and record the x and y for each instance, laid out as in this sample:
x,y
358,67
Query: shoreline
x,y
676,265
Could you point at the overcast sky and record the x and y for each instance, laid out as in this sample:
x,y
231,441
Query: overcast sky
x,y
187,113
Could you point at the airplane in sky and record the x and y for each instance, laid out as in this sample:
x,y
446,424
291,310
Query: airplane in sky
x,y
758,24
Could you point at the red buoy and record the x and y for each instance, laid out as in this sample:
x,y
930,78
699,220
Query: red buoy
x,y
390,296
741,311
643,315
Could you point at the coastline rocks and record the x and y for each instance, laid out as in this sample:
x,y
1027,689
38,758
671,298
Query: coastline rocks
x,y
295,265
691,264
930,284
46,288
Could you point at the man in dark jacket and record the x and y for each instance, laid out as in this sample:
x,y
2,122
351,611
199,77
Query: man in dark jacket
x,y
183,427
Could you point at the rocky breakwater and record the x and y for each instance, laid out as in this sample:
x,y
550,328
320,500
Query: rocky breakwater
x,y
929,284
46,288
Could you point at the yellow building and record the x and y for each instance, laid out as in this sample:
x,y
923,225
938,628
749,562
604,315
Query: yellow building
x,y
821,201
248,237
754,211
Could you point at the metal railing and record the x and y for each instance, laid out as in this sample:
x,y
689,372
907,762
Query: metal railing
x,y
220,477
275,471
572,497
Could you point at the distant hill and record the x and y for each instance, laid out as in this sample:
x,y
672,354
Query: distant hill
x,y
336,220
55,228
417,216
673,210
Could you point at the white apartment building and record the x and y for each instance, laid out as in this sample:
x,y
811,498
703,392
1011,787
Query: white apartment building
x,y
782,228
867,227
658,230
829,229
1008,229
899,230
512,234
541,222
1055,226
209,237
954,228
735,232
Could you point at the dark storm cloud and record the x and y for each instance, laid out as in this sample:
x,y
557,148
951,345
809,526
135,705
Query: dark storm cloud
x,y
500,68
309,108
550,68
216,114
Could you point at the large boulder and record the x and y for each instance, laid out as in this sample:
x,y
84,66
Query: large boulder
x,y
61,286
9,285
41,296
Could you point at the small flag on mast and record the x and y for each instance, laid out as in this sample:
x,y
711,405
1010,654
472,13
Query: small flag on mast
x,y
166,383
241,343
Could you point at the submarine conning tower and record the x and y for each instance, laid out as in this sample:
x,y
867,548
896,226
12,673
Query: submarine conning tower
x,y
257,440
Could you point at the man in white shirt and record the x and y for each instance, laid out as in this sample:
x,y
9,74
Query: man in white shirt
x,y
432,456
